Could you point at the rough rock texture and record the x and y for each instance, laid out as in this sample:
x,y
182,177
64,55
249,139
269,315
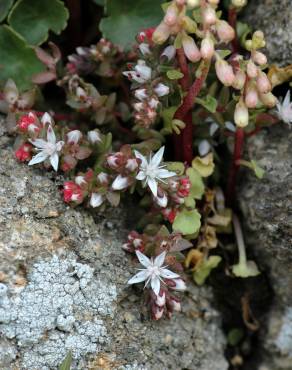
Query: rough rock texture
x,y
274,17
63,274
267,210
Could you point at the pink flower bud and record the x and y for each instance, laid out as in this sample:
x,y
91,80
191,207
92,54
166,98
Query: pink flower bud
x,y
161,34
239,80
251,96
96,200
224,72
241,116
24,152
25,121
80,180
169,52
263,83
157,312
160,299
179,284
259,57
174,304
190,49
207,48
141,94
73,137
161,200
103,178
131,164
72,192
170,17
115,160
225,32
120,183
251,69
269,100
161,89
209,16
93,136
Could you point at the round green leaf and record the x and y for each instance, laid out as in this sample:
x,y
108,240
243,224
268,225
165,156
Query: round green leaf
x,y
18,61
34,19
187,222
5,5
197,185
127,17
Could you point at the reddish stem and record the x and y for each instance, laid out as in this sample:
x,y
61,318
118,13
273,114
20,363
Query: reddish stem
x,y
184,111
184,82
237,153
232,19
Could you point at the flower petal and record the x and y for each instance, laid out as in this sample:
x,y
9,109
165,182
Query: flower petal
x,y
39,143
164,174
167,274
144,260
40,157
54,159
152,185
51,137
160,259
155,285
286,101
141,176
139,277
140,156
157,158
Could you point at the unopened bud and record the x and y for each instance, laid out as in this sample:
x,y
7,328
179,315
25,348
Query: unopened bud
x,y
263,83
269,100
161,33
251,69
259,57
224,72
239,80
225,32
190,49
170,17
207,48
241,116
239,3
209,16
251,96
169,52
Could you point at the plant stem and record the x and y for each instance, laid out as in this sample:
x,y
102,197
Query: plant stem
x,y
183,113
232,19
238,147
184,83
239,239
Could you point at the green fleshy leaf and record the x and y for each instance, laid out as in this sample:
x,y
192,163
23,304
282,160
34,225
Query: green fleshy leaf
x,y
5,5
177,167
210,103
18,60
259,172
34,19
245,269
167,116
234,336
242,31
204,270
197,185
187,222
99,2
223,53
66,364
174,74
127,18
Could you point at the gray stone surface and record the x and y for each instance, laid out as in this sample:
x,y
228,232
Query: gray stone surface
x,y
267,211
274,18
63,287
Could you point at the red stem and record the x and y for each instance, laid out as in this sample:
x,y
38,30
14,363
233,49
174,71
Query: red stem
x,y
184,82
232,19
183,113
237,153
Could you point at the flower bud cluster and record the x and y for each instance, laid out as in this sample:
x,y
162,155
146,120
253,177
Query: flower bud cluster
x,y
99,59
161,300
84,97
39,135
147,84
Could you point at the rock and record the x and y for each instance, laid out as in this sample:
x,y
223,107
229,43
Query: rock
x,y
63,288
274,18
267,213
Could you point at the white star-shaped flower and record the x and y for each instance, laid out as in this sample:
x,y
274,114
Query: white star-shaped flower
x,y
284,109
47,149
154,272
141,72
151,171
